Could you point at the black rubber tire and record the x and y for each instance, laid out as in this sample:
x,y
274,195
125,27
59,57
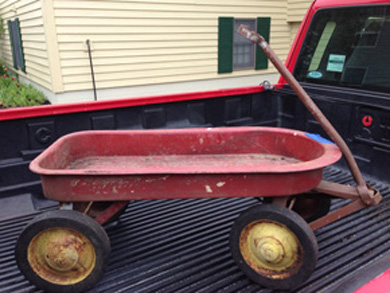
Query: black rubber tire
x,y
71,220
296,225
320,209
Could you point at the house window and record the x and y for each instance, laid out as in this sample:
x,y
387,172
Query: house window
x,y
237,53
243,49
16,44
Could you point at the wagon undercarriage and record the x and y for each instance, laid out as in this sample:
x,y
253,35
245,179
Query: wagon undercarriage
x,y
182,246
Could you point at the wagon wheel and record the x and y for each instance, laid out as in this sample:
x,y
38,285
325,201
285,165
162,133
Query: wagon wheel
x,y
274,247
310,206
97,207
63,251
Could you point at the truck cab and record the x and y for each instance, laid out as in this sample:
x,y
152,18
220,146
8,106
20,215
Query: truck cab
x,y
340,57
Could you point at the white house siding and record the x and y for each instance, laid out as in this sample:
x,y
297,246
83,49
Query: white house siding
x,y
296,9
139,47
294,30
147,42
29,13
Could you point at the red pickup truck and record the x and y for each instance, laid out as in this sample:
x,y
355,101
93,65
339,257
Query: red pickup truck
x,y
340,57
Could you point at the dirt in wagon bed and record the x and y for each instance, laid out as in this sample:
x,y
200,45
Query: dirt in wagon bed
x,y
176,161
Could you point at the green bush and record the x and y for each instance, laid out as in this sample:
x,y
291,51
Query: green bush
x,y
16,94
3,68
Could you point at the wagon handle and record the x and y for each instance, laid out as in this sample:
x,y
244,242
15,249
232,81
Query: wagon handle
x,y
367,194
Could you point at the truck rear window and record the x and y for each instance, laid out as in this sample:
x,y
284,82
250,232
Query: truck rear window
x,y
348,47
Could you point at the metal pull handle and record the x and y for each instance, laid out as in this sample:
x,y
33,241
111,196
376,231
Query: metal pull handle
x,y
368,195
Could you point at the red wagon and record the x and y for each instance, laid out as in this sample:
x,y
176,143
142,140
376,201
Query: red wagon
x,y
186,163
94,174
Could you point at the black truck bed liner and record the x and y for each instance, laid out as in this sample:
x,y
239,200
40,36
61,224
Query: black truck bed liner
x,y
182,246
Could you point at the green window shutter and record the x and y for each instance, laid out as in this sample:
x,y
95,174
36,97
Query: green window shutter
x,y
20,45
263,28
225,44
16,44
12,42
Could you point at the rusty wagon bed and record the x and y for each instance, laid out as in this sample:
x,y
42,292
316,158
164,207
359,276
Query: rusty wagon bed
x,y
190,163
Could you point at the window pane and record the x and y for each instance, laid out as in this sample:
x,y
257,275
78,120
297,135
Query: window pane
x,y
243,49
349,48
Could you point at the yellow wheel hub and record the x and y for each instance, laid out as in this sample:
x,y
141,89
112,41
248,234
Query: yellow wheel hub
x,y
271,249
61,256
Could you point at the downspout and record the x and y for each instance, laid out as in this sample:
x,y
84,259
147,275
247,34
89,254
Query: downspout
x,y
92,72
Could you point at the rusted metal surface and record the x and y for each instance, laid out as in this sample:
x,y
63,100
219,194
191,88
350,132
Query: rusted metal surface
x,y
184,163
364,192
338,214
86,211
348,192
271,249
61,256
280,200
111,211
222,148
101,211
178,161
137,187
337,189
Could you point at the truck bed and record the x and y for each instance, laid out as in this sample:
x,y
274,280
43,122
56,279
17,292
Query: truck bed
x,y
182,246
